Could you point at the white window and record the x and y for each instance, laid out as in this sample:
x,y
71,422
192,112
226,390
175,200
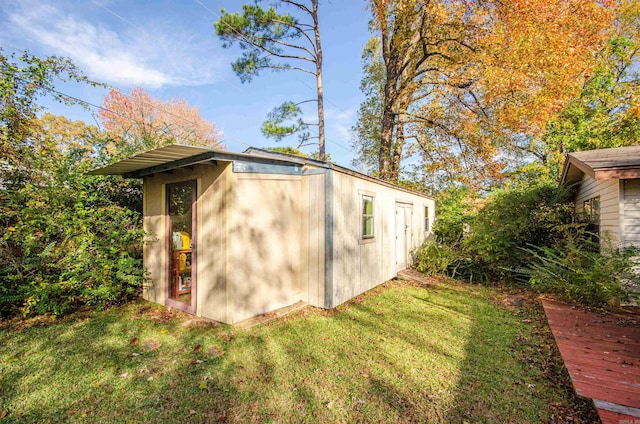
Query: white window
x,y
367,216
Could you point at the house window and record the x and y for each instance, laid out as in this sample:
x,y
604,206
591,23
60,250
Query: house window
x,y
367,217
426,219
592,209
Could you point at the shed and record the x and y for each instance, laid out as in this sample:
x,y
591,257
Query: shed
x,y
607,191
234,235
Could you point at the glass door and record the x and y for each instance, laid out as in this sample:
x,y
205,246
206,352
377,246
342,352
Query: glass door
x,y
181,223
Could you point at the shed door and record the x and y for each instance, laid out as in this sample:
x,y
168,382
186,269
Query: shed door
x,y
403,235
180,288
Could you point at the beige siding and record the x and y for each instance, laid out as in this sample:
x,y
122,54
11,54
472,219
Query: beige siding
x,y
609,193
266,243
631,220
361,264
313,218
211,248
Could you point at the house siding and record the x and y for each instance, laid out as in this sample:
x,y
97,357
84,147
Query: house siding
x,y
361,264
631,215
609,192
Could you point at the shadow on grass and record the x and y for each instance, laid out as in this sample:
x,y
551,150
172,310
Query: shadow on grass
x,y
404,353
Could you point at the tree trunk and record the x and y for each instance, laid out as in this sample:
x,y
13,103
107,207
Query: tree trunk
x,y
316,29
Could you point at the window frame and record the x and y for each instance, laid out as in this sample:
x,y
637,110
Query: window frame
x,y
364,217
425,219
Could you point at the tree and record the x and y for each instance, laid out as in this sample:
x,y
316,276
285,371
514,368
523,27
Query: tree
x,y
288,151
607,111
366,131
138,122
25,79
63,244
421,41
474,82
270,40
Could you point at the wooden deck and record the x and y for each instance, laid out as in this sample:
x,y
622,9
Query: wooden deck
x,y
602,354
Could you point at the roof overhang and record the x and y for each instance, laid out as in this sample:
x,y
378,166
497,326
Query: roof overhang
x,y
168,158
176,156
600,165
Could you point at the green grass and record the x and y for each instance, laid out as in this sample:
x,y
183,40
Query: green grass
x,y
401,353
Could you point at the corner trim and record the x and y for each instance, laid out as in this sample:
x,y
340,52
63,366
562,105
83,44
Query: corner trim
x,y
328,239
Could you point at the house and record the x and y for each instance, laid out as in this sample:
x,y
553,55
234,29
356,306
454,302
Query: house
x,y
607,184
234,235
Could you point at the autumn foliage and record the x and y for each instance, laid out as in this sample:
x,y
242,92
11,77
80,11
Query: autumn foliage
x,y
472,84
140,122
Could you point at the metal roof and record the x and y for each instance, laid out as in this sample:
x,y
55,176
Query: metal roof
x,y
160,156
176,156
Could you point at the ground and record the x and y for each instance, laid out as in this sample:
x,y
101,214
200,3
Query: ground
x,y
436,351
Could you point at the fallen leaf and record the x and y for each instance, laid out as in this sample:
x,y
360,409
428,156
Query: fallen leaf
x,y
192,411
124,375
365,375
215,352
198,348
163,331
4,413
134,341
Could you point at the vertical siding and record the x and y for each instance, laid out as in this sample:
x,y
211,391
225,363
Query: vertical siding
x,y
360,265
211,261
631,219
212,248
609,193
266,241
313,256
154,257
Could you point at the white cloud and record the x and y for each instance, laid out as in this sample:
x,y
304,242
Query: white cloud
x,y
129,57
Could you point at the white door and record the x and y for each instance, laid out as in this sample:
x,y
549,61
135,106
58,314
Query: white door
x,y
403,235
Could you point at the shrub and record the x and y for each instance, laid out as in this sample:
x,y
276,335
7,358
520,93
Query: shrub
x,y
580,275
63,246
433,258
452,212
514,220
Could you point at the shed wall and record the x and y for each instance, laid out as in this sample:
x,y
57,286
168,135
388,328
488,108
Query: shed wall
x,y
211,272
313,225
609,193
267,246
361,264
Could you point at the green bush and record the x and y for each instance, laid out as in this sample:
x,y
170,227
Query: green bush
x,y
452,213
64,246
433,258
580,274
514,220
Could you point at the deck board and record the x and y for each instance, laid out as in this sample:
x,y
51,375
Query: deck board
x,y
602,354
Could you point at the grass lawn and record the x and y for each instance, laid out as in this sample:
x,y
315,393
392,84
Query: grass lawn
x,y
447,352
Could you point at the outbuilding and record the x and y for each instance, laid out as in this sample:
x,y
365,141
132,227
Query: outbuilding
x,y
607,191
234,235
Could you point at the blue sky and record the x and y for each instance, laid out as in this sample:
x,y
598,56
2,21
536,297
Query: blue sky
x,y
170,49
